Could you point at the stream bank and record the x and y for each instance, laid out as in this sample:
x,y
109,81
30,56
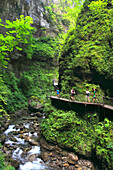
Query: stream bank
x,y
26,149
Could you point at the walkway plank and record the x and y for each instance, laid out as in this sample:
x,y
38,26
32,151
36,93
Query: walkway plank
x,y
108,107
85,103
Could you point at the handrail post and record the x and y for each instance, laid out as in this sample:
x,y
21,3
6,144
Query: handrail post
x,y
103,101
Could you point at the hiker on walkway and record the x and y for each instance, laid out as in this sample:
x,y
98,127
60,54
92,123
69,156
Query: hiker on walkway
x,y
72,94
58,93
95,96
87,96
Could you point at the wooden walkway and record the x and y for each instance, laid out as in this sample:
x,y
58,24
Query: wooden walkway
x,y
84,103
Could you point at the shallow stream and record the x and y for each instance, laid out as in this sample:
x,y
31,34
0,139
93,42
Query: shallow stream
x,y
27,150
21,139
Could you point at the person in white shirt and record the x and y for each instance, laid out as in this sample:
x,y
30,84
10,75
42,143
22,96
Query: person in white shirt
x,y
87,96
72,94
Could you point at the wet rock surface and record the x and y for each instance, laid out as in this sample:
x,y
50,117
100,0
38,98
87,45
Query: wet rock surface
x,y
25,147
34,106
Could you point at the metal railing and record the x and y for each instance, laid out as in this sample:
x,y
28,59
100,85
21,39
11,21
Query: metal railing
x,y
105,100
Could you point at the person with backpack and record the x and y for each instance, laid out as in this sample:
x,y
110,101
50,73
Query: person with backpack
x,y
58,93
72,94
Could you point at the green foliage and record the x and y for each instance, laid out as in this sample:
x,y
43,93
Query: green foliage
x,y
4,92
25,83
1,161
3,166
82,135
22,30
62,14
34,100
18,36
51,13
110,152
37,81
14,97
14,93
97,6
87,49
71,14
45,48
103,142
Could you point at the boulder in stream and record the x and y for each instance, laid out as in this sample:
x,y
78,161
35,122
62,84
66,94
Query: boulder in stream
x,y
34,105
33,142
45,145
72,158
2,138
64,153
44,156
31,158
38,114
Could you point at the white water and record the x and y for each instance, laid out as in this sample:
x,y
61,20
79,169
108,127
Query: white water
x,y
35,165
10,142
28,134
19,141
35,134
10,129
34,150
26,125
18,153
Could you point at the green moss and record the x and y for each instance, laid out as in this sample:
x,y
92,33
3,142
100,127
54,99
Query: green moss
x,y
82,135
87,50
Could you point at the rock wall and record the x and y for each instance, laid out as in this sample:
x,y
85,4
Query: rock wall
x,y
12,9
46,21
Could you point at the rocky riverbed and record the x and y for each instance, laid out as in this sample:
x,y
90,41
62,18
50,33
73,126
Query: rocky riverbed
x,y
26,149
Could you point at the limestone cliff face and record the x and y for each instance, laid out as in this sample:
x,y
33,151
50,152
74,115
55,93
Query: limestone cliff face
x,y
47,20
12,9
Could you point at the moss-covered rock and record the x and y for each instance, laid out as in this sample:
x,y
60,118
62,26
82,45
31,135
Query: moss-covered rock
x,y
87,52
87,137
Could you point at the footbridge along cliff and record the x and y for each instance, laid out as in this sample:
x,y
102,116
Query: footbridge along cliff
x,y
103,110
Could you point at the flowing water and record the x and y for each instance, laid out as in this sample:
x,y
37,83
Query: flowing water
x,y
22,151
22,145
